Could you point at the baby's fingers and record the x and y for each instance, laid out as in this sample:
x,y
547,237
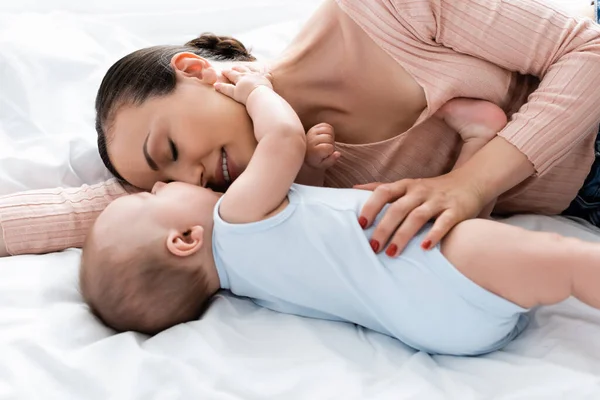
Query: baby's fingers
x,y
322,142
321,129
323,149
253,67
240,68
233,75
225,88
330,161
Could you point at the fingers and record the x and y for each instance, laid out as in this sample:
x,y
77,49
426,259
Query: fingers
x,y
225,88
255,68
443,224
331,159
416,218
322,133
245,81
368,186
323,150
394,216
250,67
321,146
382,195
322,127
320,140
413,204
322,156
234,75
238,71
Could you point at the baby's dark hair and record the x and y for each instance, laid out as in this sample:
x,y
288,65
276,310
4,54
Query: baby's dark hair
x,y
148,72
146,290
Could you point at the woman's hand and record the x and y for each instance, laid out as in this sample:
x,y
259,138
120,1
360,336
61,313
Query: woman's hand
x,y
243,82
449,199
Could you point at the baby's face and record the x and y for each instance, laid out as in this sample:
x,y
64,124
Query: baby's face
x,y
170,206
182,203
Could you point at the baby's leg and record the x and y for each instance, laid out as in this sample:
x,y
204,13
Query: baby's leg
x,y
473,119
527,268
477,122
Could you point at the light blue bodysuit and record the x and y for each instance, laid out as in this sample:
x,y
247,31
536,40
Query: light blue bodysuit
x,y
313,259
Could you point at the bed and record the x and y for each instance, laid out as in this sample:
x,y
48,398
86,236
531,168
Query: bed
x,y
52,56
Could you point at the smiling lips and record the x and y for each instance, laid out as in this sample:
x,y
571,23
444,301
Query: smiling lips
x,y
225,173
225,168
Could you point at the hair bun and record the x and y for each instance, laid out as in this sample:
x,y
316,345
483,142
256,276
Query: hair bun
x,y
221,47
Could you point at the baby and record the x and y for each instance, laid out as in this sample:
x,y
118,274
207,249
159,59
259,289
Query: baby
x,y
153,260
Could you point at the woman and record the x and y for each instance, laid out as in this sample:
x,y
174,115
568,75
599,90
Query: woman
x,y
376,70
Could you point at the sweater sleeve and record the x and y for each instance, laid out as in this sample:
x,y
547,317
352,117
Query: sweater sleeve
x,y
529,37
42,221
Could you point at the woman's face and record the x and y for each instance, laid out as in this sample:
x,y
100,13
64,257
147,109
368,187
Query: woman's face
x,y
194,135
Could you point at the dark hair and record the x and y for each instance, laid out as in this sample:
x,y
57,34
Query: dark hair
x,y
147,72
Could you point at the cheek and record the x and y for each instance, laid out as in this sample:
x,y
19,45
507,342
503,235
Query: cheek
x,y
190,135
209,121
239,134
227,118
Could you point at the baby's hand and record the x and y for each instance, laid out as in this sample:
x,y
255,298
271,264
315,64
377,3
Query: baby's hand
x,y
320,147
243,82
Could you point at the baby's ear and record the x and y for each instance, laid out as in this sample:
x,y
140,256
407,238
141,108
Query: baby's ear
x,y
187,243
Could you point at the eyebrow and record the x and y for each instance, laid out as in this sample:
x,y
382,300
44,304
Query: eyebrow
x,y
153,166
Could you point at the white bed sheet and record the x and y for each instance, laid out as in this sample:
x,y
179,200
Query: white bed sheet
x,y
51,62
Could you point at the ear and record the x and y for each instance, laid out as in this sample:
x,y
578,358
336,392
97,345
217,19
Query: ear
x,y
184,244
192,65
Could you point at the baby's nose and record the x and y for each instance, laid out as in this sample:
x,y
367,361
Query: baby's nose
x,y
157,187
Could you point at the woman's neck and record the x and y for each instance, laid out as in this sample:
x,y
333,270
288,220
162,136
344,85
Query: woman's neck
x,y
310,74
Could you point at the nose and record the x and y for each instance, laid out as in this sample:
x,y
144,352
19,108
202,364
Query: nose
x,y
157,187
192,174
197,175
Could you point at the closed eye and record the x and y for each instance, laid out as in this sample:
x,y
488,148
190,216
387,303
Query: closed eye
x,y
174,152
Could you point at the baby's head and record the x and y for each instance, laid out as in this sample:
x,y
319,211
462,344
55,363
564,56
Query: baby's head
x,y
147,263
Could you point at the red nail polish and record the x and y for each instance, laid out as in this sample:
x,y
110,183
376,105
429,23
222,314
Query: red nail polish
x,y
426,245
374,245
362,221
391,250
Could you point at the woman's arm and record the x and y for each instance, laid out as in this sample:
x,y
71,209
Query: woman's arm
x,y
525,36
42,221
3,251
528,37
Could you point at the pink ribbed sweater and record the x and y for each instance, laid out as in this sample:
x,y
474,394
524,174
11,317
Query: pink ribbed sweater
x,y
453,48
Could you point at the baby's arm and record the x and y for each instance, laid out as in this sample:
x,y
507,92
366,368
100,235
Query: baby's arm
x,y
265,183
477,122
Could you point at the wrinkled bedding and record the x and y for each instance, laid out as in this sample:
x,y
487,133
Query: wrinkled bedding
x,y
52,57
